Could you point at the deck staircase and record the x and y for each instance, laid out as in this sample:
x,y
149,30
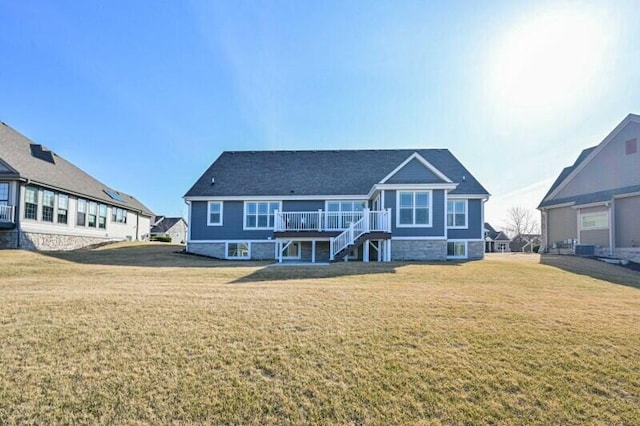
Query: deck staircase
x,y
358,232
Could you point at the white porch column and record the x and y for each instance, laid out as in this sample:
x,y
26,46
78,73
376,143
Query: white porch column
x,y
279,251
388,250
365,251
313,251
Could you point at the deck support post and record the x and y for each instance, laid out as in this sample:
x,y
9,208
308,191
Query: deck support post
x,y
365,252
313,251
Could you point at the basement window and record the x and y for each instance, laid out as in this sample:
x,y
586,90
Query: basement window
x,y
238,251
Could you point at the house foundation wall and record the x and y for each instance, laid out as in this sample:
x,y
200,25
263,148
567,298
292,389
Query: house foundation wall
x,y
53,242
475,249
419,250
207,249
9,239
262,251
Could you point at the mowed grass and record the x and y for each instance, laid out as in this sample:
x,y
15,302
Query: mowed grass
x,y
139,334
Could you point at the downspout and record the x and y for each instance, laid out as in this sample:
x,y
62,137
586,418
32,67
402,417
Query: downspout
x,y
138,226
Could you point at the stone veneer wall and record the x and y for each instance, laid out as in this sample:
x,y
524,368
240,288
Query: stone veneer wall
x,y
418,250
207,249
50,242
475,249
263,251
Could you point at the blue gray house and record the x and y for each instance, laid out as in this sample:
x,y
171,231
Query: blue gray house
x,y
319,206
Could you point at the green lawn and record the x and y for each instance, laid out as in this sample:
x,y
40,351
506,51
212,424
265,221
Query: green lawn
x,y
139,334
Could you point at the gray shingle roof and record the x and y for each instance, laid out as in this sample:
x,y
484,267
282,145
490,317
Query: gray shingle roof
x,y
340,172
17,151
165,224
563,175
593,197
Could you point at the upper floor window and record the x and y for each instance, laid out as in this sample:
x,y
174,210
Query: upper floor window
x,y
596,220
457,213
414,208
81,218
4,193
63,208
31,203
214,213
260,214
48,201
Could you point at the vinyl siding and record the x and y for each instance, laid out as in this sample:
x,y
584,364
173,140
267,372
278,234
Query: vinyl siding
x,y
610,169
437,216
414,172
231,229
627,221
562,224
474,222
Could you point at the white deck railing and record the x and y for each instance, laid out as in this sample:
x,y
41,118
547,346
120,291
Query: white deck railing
x,y
322,221
6,213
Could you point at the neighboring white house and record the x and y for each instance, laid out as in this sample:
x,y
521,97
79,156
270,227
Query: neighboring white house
x,y
172,227
47,203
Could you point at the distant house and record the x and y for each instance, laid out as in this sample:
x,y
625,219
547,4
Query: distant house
x,y
369,205
593,207
173,227
47,203
527,243
495,241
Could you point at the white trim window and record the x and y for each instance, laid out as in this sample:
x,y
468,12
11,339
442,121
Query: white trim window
x,y
93,214
238,250
102,216
293,251
260,214
81,215
48,202
31,203
341,214
63,209
457,214
456,249
595,220
214,213
4,193
118,215
413,209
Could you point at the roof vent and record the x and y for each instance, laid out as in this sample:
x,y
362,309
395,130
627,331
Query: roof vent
x,y
37,151
213,180
464,178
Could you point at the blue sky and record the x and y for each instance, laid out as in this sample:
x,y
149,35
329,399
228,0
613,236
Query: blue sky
x,y
145,95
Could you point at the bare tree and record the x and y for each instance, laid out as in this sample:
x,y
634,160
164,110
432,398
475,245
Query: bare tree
x,y
521,223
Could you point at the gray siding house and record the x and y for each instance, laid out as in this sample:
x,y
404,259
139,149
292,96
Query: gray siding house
x,y
319,206
47,203
594,205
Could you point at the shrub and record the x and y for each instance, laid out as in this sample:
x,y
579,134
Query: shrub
x,y
161,239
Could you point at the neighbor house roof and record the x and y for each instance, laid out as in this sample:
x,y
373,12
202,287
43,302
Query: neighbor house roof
x,y
339,172
568,173
495,235
37,164
164,224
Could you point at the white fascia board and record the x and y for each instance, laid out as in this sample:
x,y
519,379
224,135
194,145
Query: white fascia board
x,y
421,159
629,194
411,187
588,205
275,197
557,206
467,196
628,119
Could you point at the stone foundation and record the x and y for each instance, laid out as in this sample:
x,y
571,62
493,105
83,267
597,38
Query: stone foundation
x,y
475,249
207,249
263,251
419,250
53,242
